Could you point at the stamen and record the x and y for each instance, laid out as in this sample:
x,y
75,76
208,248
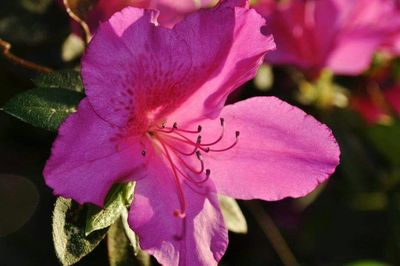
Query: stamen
x,y
197,172
169,137
198,155
175,128
176,143
220,136
182,212
182,152
237,133
189,178
184,139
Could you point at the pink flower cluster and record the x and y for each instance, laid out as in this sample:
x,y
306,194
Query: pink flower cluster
x,y
340,35
155,113
170,11
377,108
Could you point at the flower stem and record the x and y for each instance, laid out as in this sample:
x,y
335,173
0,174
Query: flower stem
x,y
81,22
272,232
5,50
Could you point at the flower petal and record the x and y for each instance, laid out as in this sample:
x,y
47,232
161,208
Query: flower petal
x,y
89,156
281,151
172,11
136,67
338,34
227,48
152,217
353,52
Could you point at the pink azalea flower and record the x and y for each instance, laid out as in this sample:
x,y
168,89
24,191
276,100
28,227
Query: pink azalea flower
x,y
171,11
341,35
155,114
370,111
264,7
392,44
376,109
392,96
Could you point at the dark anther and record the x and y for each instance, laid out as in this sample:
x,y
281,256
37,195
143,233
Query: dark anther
x,y
175,125
208,172
198,141
143,153
207,149
199,128
198,154
237,133
222,121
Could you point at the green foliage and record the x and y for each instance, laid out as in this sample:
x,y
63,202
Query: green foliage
x,y
77,230
57,96
118,246
66,79
386,141
70,242
44,107
120,249
133,238
119,197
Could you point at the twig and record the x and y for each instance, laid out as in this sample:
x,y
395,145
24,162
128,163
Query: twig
x,y
80,21
272,232
5,50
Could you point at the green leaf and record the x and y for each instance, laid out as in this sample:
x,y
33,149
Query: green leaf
x,y
119,197
65,79
233,216
69,238
386,140
44,107
133,238
120,250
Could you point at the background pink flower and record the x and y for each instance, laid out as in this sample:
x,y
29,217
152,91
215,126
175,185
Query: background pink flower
x,y
378,108
264,7
340,35
171,11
